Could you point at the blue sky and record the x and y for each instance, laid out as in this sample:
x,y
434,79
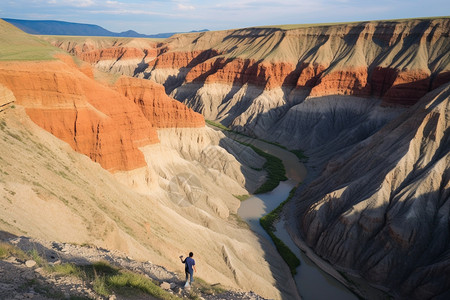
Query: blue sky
x,y
156,16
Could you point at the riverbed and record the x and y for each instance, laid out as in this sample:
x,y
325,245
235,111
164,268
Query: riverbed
x,y
312,283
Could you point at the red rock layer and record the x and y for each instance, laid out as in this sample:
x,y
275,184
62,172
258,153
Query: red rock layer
x,y
161,110
93,119
352,81
94,51
407,88
390,84
390,60
115,53
177,60
241,71
309,74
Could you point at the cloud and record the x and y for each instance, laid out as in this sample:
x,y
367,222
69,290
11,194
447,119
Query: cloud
x,y
76,3
181,6
129,12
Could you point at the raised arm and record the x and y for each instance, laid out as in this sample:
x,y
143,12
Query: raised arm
x,y
181,258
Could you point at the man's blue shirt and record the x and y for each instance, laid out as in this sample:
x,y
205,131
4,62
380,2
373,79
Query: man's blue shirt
x,y
189,262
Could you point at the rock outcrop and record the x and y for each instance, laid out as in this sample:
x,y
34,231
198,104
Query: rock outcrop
x,y
382,209
161,110
92,118
119,55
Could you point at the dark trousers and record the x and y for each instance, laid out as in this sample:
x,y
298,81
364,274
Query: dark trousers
x,y
191,272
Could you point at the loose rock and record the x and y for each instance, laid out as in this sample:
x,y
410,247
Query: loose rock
x,y
30,263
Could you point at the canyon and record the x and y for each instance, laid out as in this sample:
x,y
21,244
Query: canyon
x,y
111,161
368,102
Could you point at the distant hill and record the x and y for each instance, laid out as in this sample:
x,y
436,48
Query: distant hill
x,y
50,27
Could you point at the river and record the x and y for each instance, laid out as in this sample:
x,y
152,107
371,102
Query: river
x,y
312,283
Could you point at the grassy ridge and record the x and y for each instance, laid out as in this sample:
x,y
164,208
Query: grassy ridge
x,y
267,222
298,26
16,45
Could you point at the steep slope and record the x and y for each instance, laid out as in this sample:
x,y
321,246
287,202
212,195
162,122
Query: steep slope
x,y
117,55
382,210
257,79
43,182
90,117
170,187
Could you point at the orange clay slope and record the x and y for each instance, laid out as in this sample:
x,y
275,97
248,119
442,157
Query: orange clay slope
x,y
106,123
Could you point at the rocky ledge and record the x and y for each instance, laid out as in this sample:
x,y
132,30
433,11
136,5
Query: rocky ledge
x,y
28,272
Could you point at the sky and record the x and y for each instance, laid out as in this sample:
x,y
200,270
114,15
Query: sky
x,y
159,16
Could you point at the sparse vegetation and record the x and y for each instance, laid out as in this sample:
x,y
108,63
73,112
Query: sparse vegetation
x,y
242,197
107,279
16,45
209,289
239,221
267,222
3,125
13,135
7,250
218,125
300,155
34,255
104,278
297,26
274,168
65,269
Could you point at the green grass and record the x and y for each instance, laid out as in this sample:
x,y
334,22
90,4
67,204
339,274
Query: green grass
x,y
34,254
16,45
297,26
218,125
7,250
107,279
274,168
273,165
300,155
137,281
65,269
3,125
267,222
242,197
209,289
104,278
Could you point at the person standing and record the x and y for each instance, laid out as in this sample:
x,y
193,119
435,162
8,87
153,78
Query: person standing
x,y
189,268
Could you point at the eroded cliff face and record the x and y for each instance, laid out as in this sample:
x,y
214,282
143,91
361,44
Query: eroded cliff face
x,y
170,185
108,126
118,55
252,79
161,110
382,209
